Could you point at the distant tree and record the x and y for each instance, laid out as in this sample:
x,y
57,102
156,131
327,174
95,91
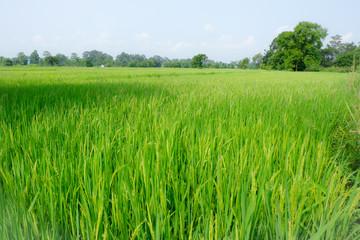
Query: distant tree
x,y
198,61
46,54
97,58
21,59
74,56
7,62
74,60
257,60
34,57
231,66
86,55
175,63
157,60
51,61
347,47
328,57
108,61
142,64
123,59
347,59
62,59
186,63
334,50
150,63
88,63
178,63
298,50
166,63
335,44
41,62
137,59
131,64
244,63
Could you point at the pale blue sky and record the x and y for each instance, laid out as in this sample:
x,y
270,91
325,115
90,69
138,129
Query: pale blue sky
x,y
225,30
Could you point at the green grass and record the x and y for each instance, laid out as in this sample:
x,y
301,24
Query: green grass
x,y
175,154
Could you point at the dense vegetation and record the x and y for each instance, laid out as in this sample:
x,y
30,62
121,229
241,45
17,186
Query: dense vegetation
x,y
90,153
298,50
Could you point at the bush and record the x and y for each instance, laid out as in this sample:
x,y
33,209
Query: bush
x,y
336,69
8,62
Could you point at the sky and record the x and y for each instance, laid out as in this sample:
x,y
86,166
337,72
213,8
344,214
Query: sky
x,y
225,30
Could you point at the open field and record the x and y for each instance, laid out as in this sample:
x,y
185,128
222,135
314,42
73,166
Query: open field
x,y
123,153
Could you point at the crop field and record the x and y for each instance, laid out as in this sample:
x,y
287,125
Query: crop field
x,y
122,153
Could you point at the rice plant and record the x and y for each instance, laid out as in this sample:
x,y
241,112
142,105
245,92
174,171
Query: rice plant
x,y
114,153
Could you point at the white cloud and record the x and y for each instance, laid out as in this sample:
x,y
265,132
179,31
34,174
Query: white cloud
x,y
142,36
102,39
225,38
249,41
209,28
347,37
37,38
283,28
163,43
104,35
171,46
181,45
227,42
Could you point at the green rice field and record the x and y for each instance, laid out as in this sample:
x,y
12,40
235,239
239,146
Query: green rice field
x,y
125,153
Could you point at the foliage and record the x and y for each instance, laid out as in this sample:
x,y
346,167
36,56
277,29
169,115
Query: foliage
x,y
337,53
46,54
87,63
51,61
157,60
298,50
328,57
198,61
5,61
34,57
74,56
97,58
62,59
8,62
336,69
347,59
244,64
257,60
21,59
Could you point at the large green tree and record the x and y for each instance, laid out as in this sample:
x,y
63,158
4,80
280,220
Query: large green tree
x,y
335,50
348,59
34,57
123,59
198,61
97,58
5,61
51,61
298,50
62,59
244,63
21,59
257,60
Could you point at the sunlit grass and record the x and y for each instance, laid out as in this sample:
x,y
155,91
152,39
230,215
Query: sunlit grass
x,y
174,154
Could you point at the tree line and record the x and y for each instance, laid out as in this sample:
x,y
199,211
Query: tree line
x,y
298,50
98,58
